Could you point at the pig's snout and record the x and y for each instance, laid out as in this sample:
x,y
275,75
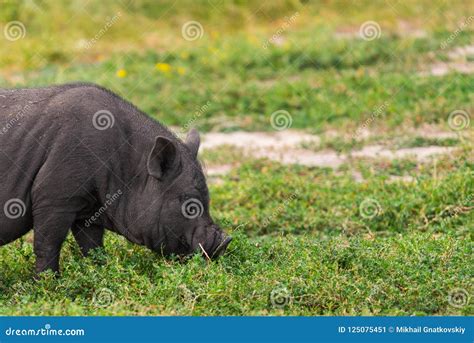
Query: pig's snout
x,y
221,248
218,242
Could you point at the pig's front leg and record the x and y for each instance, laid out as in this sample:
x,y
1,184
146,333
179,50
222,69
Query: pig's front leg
x,y
88,237
50,231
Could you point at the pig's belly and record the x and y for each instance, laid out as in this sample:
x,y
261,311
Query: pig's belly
x,y
15,197
13,226
15,205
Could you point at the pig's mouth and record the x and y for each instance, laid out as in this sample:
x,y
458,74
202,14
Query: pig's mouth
x,y
217,248
221,248
212,248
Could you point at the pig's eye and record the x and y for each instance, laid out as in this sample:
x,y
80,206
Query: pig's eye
x,y
192,208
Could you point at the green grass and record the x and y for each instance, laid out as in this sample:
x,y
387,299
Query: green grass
x,y
418,141
240,96
160,24
336,82
332,244
331,259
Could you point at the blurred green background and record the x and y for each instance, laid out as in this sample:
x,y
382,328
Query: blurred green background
x,y
252,58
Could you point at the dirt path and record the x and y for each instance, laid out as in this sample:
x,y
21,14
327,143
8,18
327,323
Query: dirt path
x,y
459,60
286,147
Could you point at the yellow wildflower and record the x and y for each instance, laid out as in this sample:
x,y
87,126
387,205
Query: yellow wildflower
x,y
181,70
184,55
163,67
121,73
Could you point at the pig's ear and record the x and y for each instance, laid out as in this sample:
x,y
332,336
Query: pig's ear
x,y
193,141
163,160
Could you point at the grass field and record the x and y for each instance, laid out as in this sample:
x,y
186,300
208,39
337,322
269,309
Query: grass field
x,y
397,240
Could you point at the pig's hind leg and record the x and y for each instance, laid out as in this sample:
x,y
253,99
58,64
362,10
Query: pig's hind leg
x,y
88,237
58,197
50,230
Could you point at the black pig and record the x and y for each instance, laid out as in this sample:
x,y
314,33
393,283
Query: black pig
x,y
79,157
